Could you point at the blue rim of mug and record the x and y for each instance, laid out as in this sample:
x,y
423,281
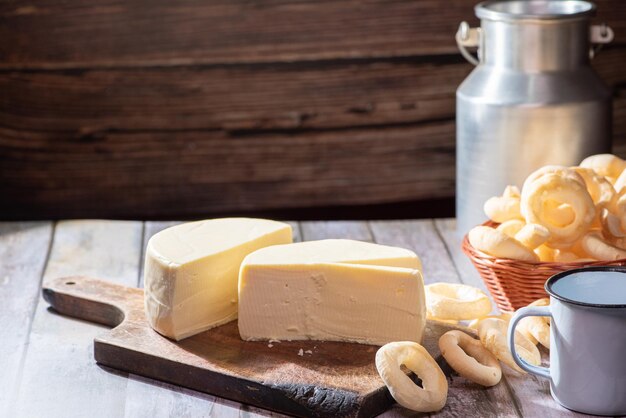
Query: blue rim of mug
x,y
550,282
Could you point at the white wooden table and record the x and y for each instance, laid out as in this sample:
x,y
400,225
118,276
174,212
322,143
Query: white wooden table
x,y
47,367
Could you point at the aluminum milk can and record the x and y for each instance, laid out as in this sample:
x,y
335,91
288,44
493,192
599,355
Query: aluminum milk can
x,y
532,100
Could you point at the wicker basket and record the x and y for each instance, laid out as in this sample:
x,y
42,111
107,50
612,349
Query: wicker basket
x,y
514,283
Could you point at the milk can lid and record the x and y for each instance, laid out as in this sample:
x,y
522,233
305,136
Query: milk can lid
x,y
534,9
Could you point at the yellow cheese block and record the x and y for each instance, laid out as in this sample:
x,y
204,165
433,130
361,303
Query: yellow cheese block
x,y
332,290
191,271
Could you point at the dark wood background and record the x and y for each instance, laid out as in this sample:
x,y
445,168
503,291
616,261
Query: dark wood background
x,y
173,109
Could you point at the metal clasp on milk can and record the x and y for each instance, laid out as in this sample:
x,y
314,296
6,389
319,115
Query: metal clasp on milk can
x,y
532,100
468,37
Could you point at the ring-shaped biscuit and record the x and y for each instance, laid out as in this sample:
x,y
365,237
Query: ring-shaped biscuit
x,y
493,336
501,209
600,189
469,358
619,243
559,214
505,316
620,183
532,235
607,165
504,208
434,392
456,301
598,248
559,188
511,227
498,244
559,170
564,256
618,207
537,328
447,321
612,225
511,191
545,253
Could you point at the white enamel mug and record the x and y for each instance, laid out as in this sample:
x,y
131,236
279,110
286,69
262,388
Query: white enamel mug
x,y
587,370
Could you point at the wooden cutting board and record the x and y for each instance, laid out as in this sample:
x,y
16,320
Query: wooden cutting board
x,y
303,378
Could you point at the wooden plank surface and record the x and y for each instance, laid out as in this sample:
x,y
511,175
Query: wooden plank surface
x,y
531,393
289,96
315,230
24,249
107,33
186,173
452,240
319,95
60,377
186,106
116,33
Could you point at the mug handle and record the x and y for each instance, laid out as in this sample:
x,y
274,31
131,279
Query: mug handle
x,y
519,314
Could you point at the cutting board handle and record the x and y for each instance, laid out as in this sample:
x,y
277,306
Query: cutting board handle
x,y
92,299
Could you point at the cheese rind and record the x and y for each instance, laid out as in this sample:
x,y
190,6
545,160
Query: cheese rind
x,y
306,291
191,271
336,251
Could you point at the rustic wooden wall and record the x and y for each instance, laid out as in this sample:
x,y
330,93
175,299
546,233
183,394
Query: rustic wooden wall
x,y
118,108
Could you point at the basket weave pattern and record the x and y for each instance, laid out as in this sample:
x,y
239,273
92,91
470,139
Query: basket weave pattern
x,y
514,283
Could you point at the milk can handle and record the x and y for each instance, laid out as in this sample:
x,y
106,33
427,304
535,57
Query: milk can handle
x,y
599,35
468,37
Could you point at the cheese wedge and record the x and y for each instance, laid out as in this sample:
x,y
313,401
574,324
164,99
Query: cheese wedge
x,y
191,271
332,290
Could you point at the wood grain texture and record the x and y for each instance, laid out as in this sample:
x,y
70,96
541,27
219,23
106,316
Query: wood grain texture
x,y
204,96
316,230
60,377
108,33
23,252
193,172
311,95
421,237
452,240
329,379
531,393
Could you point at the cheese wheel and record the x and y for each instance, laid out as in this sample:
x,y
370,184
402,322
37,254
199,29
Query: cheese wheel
x,y
191,271
332,290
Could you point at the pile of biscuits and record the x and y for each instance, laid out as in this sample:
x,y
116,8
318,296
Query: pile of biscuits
x,y
562,214
475,359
